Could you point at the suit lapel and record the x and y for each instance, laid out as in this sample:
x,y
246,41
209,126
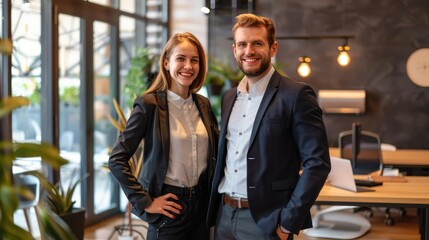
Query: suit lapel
x,y
164,127
228,103
271,90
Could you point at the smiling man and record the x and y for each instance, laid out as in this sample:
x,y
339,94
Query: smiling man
x,y
272,128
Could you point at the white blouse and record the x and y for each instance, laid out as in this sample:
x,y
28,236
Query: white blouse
x,y
188,142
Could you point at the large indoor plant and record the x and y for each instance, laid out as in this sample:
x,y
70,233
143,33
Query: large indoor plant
x,y
140,74
59,200
224,73
50,226
135,162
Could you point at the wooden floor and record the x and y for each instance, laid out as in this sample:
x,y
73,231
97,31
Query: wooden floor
x,y
405,228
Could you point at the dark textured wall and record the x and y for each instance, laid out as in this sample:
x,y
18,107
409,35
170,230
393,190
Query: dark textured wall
x,y
385,33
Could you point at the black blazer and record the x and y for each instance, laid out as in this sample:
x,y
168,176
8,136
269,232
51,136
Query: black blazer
x,y
288,135
149,121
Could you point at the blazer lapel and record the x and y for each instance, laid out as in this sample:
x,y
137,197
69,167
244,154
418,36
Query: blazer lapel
x,y
271,90
228,103
164,127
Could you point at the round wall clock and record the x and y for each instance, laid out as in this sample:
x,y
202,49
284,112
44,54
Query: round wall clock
x,y
418,67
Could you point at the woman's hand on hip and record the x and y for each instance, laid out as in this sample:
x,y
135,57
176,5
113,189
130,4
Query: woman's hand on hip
x,y
282,235
163,205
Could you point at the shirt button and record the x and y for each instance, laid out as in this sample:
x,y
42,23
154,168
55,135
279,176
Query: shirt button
x,y
249,99
240,133
235,170
236,152
244,115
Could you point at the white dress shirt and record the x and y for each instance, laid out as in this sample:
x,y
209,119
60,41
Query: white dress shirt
x,y
238,135
188,142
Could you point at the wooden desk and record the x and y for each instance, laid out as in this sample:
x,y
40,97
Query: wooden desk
x,y
413,193
400,157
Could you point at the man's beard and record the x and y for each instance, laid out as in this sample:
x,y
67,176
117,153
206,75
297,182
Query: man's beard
x,y
257,72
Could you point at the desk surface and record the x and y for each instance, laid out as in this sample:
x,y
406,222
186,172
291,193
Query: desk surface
x,y
400,157
414,192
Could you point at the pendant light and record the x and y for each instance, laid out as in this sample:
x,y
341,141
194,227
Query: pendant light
x,y
344,57
304,69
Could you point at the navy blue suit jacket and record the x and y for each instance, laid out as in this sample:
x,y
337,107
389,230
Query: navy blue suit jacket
x,y
288,135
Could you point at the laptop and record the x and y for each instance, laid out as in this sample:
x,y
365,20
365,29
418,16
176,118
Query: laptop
x,y
341,176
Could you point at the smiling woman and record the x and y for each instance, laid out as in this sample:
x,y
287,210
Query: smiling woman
x,y
183,66
172,190
71,88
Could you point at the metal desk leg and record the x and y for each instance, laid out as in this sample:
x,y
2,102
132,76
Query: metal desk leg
x,y
424,223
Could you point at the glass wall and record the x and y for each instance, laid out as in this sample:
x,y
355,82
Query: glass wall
x,y
26,76
69,84
103,129
83,77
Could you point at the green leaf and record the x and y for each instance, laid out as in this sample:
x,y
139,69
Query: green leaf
x,y
58,199
47,152
8,200
70,95
53,226
120,112
10,103
9,193
13,232
136,81
116,124
8,205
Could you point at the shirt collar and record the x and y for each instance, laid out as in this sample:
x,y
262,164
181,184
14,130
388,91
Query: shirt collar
x,y
178,101
259,87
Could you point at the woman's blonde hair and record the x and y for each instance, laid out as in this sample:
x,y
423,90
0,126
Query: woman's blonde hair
x,y
162,81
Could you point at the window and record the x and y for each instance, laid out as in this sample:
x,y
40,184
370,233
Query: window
x,y
88,71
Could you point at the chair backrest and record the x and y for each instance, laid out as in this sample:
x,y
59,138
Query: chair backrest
x,y
369,158
30,182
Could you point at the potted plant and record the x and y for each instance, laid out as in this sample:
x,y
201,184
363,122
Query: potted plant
x,y
223,72
49,225
60,201
136,163
140,75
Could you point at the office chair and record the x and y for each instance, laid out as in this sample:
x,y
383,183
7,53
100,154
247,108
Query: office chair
x,y
337,222
364,149
32,183
365,155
